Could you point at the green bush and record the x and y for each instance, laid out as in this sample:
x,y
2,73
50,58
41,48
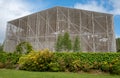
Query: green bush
x,y
115,66
3,57
9,60
61,63
36,61
105,67
2,65
70,61
55,67
75,65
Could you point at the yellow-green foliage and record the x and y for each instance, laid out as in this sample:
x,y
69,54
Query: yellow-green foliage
x,y
45,60
36,60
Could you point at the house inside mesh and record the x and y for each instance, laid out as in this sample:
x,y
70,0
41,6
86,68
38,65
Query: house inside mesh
x,y
95,30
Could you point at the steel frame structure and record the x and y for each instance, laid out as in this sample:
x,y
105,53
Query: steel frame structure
x,y
96,30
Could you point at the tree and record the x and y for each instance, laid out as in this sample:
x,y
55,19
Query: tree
x,y
118,44
76,45
63,43
59,43
67,45
23,48
1,47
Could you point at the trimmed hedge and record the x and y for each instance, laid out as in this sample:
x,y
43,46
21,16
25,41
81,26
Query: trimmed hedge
x,y
45,60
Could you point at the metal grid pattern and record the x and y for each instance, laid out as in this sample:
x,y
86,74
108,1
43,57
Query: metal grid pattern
x,y
41,29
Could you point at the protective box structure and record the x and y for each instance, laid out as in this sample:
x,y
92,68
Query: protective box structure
x,y
41,29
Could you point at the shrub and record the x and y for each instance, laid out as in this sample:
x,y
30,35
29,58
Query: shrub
x,y
105,67
45,60
61,63
76,65
9,60
2,65
12,60
54,66
3,57
36,61
115,66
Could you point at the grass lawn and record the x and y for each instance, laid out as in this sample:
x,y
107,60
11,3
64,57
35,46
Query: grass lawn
x,y
6,73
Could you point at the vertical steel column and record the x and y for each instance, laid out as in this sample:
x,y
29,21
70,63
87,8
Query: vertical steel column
x,y
18,38
56,21
5,48
108,41
26,39
68,20
48,26
80,29
113,46
46,31
28,26
36,34
93,32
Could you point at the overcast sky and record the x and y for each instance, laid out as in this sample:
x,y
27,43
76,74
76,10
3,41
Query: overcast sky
x,y
11,9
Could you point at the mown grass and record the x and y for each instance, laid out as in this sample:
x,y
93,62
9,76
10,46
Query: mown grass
x,y
6,73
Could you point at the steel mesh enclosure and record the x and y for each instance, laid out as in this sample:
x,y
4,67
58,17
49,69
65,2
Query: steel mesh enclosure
x,y
41,29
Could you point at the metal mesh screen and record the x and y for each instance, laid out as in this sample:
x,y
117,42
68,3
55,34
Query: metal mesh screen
x,y
41,29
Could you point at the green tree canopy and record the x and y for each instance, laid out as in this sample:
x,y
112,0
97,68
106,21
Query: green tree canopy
x,y
1,47
59,43
118,44
67,45
23,48
76,45
64,43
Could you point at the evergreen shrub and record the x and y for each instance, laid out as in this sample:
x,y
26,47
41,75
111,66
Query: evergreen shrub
x,y
45,60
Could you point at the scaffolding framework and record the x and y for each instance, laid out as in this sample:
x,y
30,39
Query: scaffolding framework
x,y
96,30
